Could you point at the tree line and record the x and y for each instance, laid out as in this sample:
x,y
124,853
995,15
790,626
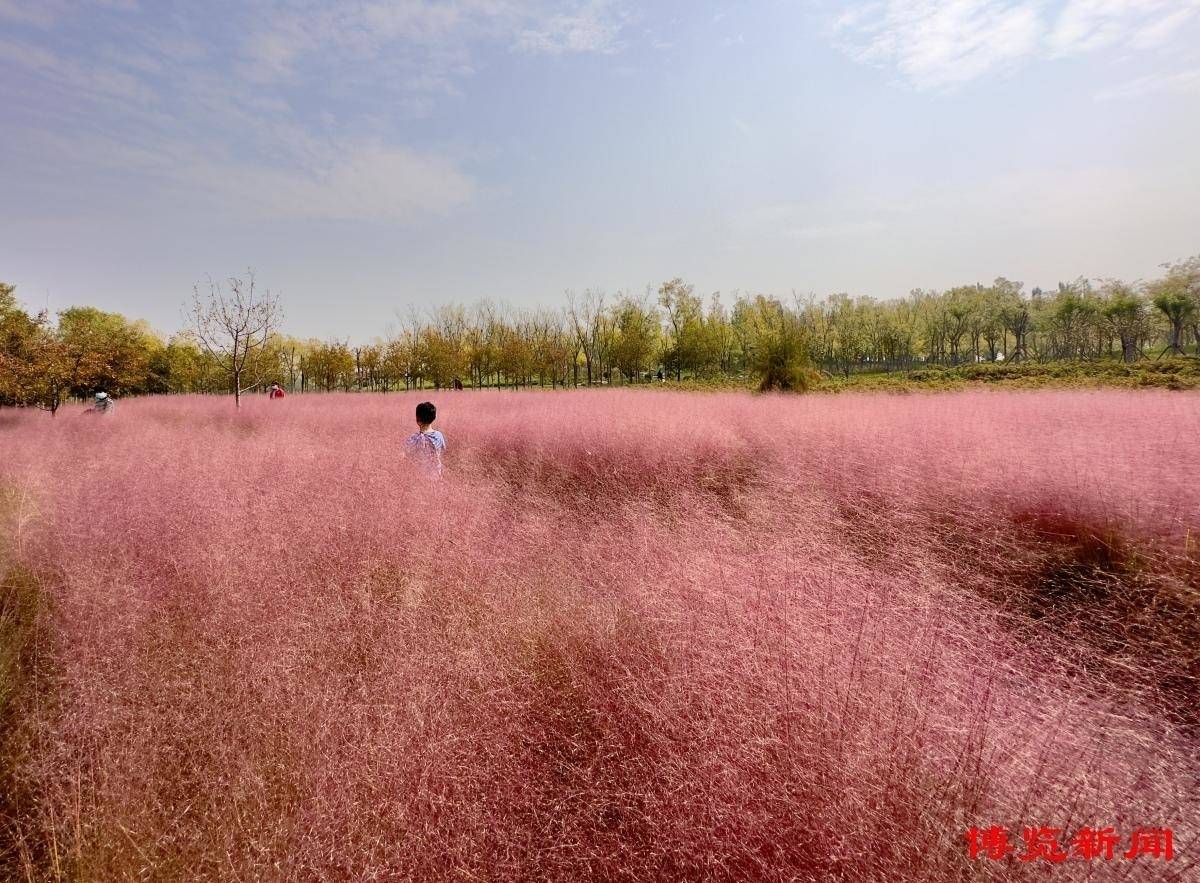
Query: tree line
x,y
671,332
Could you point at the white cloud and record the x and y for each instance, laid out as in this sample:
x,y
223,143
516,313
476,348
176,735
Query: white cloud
x,y
360,182
291,32
99,82
1088,25
935,44
591,27
217,126
200,135
434,35
40,13
938,43
45,13
344,181
1184,81
425,21
28,56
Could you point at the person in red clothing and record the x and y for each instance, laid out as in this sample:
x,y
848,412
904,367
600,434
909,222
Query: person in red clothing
x,y
276,391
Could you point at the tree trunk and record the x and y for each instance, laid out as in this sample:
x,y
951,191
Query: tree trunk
x,y
1175,346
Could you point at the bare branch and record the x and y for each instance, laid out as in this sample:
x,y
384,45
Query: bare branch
x,y
234,326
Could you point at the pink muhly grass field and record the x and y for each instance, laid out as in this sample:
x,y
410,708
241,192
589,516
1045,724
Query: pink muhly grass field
x,y
631,635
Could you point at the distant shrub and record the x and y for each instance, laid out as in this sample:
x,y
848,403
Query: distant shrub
x,y
779,352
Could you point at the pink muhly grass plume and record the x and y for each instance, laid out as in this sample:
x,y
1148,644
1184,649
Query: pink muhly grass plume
x,y
631,635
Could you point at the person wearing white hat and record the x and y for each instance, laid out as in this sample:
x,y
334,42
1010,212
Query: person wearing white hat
x,y
104,404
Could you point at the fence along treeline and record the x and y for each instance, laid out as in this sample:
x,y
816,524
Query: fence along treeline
x,y
596,338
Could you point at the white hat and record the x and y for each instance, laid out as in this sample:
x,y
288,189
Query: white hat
x,y
101,395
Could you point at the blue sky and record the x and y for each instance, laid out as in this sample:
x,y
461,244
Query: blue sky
x,y
368,155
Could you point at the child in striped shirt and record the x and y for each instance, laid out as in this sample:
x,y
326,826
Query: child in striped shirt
x,y
426,445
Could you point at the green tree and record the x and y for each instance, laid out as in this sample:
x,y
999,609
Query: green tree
x,y
779,350
17,328
1177,297
961,306
1070,320
37,370
849,332
685,349
721,340
444,345
637,338
329,365
1126,315
1012,310
106,350
186,367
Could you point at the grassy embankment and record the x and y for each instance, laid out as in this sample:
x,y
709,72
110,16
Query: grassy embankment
x,y
1171,374
1175,374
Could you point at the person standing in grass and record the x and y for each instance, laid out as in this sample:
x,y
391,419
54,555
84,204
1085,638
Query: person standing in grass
x,y
103,404
276,391
426,445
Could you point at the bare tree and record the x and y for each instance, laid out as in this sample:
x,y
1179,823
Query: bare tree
x,y
587,317
234,327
